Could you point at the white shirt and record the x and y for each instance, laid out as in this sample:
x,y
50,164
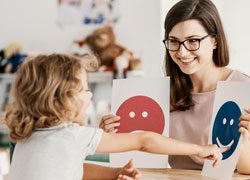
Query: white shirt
x,y
54,153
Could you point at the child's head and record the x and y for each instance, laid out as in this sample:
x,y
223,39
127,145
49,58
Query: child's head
x,y
49,90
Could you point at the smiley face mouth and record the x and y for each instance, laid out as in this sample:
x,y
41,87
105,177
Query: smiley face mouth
x,y
137,131
228,145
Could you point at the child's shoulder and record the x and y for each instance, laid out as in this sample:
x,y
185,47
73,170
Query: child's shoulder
x,y
74,126
84,130
66,130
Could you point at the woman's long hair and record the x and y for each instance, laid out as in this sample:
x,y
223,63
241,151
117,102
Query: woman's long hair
x,y
207,14
44,92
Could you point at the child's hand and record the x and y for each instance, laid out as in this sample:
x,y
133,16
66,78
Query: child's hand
x,y
128,172
212,152
109,123
245,125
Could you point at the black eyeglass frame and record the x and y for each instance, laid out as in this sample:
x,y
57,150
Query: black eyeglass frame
x,y
182,42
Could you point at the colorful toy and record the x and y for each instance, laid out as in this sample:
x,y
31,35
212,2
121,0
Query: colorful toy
x,y
112,56
13,53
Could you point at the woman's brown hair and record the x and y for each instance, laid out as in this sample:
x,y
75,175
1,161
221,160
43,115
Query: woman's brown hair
x,y
207,14
44,92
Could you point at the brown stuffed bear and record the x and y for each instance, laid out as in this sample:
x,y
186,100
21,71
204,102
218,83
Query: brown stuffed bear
x,y
113,57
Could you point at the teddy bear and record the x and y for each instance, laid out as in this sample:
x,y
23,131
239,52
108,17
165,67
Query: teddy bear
x,y
112,56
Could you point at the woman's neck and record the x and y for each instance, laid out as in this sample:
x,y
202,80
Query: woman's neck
x,y
206,80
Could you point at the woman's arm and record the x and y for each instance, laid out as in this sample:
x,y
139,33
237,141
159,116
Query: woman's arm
x,y
94,172
243,165
155,143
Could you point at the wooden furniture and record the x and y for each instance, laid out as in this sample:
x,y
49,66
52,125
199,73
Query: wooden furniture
x,y
180,174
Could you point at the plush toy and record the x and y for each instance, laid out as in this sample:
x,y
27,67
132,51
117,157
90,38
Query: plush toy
x,y
3,60
13,53
113,57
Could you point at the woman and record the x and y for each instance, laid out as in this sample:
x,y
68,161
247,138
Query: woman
x,y
196,58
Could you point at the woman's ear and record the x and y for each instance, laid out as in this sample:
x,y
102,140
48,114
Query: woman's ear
x,y
215,42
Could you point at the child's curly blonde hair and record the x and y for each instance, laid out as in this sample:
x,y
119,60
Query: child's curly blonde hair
x,y
44,92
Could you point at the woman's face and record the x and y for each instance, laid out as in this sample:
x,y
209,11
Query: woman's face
x,y
85,97
192,62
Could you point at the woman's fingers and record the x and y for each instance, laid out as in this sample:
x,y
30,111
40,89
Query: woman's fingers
x,y
111,127
111,120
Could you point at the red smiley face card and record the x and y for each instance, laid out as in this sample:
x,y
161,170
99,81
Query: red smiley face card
x,y
143,105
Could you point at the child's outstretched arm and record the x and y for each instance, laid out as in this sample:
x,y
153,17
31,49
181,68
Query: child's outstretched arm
x,y
155,143
93,172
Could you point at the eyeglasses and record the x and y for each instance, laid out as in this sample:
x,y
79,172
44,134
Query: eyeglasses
x,y
190,44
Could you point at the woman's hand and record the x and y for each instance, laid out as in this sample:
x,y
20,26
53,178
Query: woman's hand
x,y
109,123
245,125
128,172
212,152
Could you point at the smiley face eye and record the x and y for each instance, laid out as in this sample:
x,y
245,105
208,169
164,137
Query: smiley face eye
x,y
144,114
231,122
224,121
132,114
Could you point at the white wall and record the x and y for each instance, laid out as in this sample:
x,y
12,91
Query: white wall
x,y
140,26
33,23
235,17
237,26
140,29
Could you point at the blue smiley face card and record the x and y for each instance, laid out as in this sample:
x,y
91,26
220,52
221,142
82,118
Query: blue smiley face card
x,y
230,100
225,129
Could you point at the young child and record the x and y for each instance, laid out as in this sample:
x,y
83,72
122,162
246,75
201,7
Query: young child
x,y
47,118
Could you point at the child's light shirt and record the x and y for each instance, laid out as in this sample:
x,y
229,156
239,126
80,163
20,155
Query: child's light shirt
x,y
54,153
193,125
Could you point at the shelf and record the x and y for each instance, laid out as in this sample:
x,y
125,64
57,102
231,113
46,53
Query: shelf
x,y
100,77
107,77
6,77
